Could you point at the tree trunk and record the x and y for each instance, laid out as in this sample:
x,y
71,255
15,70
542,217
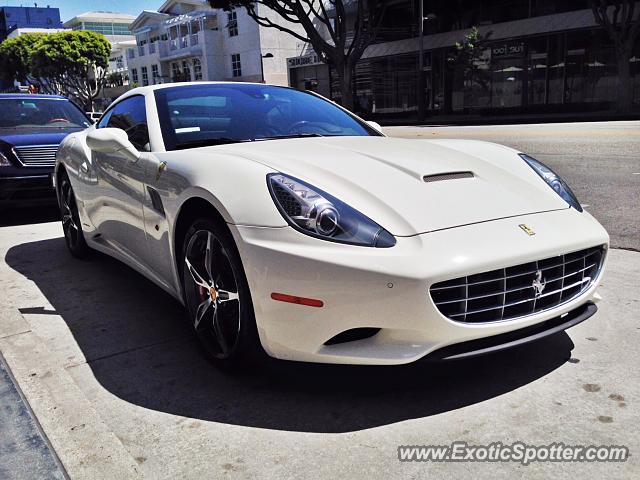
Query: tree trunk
x,y
624,83
345,75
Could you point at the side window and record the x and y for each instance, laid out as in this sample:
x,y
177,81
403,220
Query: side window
x,y
105,119
130,115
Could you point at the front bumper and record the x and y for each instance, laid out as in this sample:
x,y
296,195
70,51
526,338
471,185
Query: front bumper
x,y
388,289
20,190
504,341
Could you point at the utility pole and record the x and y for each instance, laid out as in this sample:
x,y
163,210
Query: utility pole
x,y
421,100
421,105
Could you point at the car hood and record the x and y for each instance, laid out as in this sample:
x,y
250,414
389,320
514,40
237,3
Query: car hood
x,y
34,136
384,178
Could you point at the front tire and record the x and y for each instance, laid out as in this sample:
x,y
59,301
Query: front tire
x,y
217,296
71,226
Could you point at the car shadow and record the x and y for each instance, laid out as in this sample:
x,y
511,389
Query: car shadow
x,y
139,349
29,215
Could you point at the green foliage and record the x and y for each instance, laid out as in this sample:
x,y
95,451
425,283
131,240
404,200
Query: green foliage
x,y
69,63
467,58
469,42
15,56
71,52
471,47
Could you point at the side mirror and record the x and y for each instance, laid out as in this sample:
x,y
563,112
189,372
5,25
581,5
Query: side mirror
x,y
112,140
375,126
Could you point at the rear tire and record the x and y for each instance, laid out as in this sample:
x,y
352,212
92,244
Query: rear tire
x,y
71,226
217,296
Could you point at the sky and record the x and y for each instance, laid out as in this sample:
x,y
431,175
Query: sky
x,y
71,8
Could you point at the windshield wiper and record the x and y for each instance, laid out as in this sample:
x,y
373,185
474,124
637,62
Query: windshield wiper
x,y
294,135
206,142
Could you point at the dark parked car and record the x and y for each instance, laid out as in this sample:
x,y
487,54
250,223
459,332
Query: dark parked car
x,y
31,129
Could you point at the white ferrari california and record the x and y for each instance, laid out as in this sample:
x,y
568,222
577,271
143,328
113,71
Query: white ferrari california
x,y
287,225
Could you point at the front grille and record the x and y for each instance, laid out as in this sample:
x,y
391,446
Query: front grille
x,y
513,292
37,155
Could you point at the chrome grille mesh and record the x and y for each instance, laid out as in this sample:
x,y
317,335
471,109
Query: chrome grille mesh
x,y
36,155
519,290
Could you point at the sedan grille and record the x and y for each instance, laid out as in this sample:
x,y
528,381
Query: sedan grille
x,y
37,155
519,290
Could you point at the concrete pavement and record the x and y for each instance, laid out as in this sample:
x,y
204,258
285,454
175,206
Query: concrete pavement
x,y
121,389
599,160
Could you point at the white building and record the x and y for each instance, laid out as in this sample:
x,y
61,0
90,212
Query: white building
x,y
115,26
187,40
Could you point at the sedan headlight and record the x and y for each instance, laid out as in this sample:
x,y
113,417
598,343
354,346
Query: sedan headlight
x,y
316,213
554,181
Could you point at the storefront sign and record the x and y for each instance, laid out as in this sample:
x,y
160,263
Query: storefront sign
x,y
303,61
511,49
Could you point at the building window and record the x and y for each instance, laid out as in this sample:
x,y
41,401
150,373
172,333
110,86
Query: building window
x,y
232,23
175,72
145,76
134,75
197,69
236,68
132,53
186,71
155,76
119,62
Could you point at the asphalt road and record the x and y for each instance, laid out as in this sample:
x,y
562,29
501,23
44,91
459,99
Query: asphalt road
x,y
599,160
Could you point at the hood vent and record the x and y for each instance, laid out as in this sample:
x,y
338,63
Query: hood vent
x,y
447,176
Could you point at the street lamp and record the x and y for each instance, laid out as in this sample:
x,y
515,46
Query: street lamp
x,y
431,16
266,55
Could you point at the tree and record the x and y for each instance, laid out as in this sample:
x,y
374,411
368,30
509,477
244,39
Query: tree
x,y
621,23
468,56
71,63
15,57
338,30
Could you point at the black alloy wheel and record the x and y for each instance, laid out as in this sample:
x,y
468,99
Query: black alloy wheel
x,y
217,295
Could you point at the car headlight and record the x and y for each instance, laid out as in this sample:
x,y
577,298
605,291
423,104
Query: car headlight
x,y
4,161
316,213
553,180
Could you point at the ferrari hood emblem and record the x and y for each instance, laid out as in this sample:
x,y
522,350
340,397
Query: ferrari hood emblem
x,y
527,229
538,284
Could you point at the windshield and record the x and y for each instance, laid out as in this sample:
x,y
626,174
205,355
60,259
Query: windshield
x,y
198,115
55,113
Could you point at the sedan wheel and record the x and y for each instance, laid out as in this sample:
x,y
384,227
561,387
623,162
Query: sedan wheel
x,y
71,226
216,294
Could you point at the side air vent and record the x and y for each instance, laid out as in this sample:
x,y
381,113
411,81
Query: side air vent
x,y
447,176
352,335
